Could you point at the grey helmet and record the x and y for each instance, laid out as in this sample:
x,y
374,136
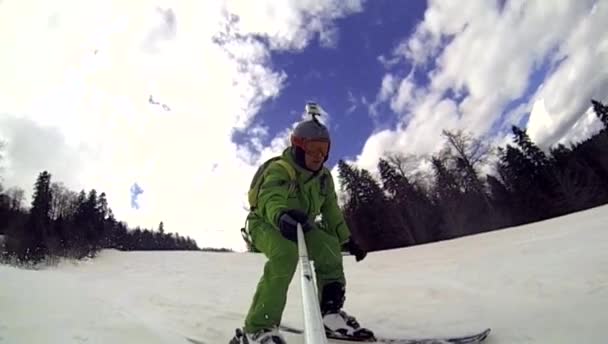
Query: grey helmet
x,y
311,129
308,130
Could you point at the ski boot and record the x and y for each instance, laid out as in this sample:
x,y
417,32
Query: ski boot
x,y
338,323
342,325
265,336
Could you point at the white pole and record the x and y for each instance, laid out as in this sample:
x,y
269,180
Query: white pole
x,y
314,331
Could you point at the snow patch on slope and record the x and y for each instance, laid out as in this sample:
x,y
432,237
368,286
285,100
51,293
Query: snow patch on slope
x,y
542,283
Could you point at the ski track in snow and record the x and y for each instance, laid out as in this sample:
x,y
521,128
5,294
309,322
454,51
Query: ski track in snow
x,y
540,283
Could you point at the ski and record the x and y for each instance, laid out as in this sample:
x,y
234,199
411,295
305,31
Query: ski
x,y
464,339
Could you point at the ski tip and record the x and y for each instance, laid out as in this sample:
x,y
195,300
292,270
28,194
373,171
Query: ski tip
x,y
290,329
485,333
195,341
474,338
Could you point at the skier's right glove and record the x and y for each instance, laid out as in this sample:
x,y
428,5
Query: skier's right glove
x,y
356,250
288,223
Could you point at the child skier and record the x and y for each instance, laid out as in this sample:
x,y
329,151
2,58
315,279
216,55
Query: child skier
x,y
295,188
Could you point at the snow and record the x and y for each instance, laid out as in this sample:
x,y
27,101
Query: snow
x,y
541,283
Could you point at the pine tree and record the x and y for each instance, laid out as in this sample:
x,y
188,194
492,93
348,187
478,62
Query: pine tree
x,y
77,238
91,221
348,182
601,111
519,174
544,173
531,150
560,154
2,144
148,239
371,217
38,226
121,236
415,207
352,188
446,184
385,219
102,207
101,214
502,201
110,238
577,185
449,197
160,241
500,193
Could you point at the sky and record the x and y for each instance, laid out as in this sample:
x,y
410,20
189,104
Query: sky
x,y
169,106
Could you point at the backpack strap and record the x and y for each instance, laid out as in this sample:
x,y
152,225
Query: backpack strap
x,y
290,171
258,179
323,181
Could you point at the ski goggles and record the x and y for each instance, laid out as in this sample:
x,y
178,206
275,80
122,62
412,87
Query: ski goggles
x,y
316,148
312,147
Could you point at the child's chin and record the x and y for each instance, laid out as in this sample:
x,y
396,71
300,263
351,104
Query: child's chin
x,y
314,166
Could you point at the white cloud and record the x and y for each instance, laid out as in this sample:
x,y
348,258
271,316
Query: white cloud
x,y
404,94
353,103
389,84
84,72
377,145
329,38
25,157
485,57
388,62
566,94
583,128
290,24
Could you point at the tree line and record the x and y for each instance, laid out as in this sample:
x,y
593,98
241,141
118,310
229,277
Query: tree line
x,y
64,223
405,206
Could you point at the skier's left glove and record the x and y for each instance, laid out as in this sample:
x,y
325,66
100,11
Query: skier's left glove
x,y
356,250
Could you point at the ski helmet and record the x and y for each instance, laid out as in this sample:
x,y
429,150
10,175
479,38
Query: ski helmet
x,y
309,131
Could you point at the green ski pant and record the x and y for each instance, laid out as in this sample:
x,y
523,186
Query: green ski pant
x,y
271,295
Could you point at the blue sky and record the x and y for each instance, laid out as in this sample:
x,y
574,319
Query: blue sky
x,y
144,94
347,77
342,77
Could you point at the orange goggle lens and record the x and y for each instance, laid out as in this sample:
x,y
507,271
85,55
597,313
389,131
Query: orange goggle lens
x,y
316,148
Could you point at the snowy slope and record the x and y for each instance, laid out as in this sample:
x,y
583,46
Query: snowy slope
x,y
541,283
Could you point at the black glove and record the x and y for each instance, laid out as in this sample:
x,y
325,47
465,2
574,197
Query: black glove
x,y
356,250
288,223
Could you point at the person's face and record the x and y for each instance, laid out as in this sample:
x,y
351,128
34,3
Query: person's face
x,y
315,153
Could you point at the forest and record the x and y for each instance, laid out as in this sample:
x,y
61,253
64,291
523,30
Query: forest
x,y
404,205
64,223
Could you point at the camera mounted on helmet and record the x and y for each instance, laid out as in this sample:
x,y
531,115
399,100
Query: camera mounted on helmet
x,y
313,110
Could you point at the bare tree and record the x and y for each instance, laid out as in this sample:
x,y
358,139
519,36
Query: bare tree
x,y
410,166
63,203
404,164
17,197
468,154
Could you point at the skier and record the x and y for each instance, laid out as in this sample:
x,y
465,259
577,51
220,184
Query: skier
x,y
295,188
